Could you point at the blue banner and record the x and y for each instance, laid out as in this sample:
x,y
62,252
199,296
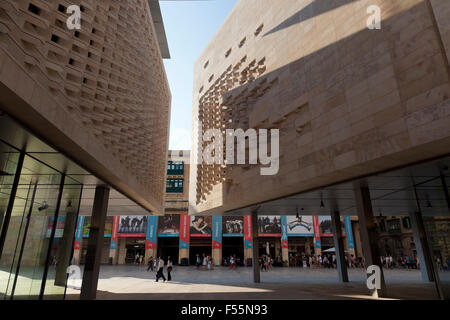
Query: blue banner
x,y
284,234
150,237
349,231
217,232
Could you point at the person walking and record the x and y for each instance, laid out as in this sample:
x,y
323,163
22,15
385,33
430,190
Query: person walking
x,y
209,263
231,262
136,259
160,273
169,268
150,263
205,261
198,261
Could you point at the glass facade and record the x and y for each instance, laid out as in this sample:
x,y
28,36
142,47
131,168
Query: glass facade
x,y
38,212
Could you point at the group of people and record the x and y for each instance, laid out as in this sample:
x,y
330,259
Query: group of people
x,y
138,259
206,261
158,265
266,262
233,262
309,260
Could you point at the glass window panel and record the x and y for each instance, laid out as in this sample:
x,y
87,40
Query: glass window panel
x,y
61,251
25,248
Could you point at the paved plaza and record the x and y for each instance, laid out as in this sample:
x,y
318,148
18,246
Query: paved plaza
x,y
135,283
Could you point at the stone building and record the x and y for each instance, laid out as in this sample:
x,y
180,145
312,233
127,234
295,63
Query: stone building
x,y
84,119
362,113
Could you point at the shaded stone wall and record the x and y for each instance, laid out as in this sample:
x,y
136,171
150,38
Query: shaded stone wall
x,y
348,101
98,94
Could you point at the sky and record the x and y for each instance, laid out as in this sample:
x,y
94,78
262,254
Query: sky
x,y
189,26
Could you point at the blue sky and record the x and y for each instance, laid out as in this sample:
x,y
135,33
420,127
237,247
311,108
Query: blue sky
x,y
189,25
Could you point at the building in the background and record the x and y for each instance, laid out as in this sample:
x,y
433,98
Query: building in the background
x,y
361,113
84,118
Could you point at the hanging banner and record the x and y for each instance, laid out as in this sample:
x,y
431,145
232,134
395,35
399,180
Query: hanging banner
x,y
269,226
316,232
169,225
150,237
247,232
217,232
201,226
79,233
115,228
132,226
301,226
233,226
349,232
59,227
184,230
284,236
87,227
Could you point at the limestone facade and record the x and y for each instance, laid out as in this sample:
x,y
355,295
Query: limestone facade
x,y
99,94
348,101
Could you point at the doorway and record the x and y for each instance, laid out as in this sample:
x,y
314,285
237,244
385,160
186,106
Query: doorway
x,y
132,251
168,247
233,246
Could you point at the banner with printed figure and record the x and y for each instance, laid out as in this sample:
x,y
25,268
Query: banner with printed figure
x,y
169,225
300,227
269,226
132,226
233,226
201,226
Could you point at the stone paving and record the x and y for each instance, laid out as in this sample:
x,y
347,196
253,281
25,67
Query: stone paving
x,y
135,283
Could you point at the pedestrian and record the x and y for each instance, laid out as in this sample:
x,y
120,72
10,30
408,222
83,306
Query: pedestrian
x,y
209,263
136,259
232,262
205,261
198,261
169,268
150,263
160,273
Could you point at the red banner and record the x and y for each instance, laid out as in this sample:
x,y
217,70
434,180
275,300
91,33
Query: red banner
x,y
316,231
247,228
185,223
247,232
115,228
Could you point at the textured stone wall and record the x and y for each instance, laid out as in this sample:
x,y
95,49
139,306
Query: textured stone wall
x,y
348,101
98,94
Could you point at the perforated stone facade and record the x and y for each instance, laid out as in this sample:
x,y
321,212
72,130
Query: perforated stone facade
x,y
98,94
348,101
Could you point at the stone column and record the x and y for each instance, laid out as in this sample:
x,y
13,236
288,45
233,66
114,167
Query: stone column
x,y
255,246
95,244
369,237
182,253
339,246
122,250
65,248
423,250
